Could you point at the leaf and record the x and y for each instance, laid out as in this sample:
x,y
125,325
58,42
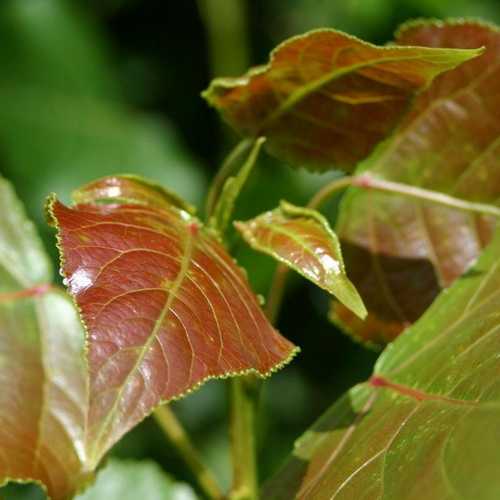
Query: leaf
x,y
128,480
165,307
326,98
232,188
404,251
303,240
426,424
43,401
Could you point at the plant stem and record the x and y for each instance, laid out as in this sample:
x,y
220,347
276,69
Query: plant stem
x,y
327,191
223,173
276,291
244,399
176,434
229,55
227,33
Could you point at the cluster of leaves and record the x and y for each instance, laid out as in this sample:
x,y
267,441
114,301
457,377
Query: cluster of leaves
x,y
163,307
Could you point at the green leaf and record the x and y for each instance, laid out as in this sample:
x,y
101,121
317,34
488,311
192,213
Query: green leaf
x,y
165,306
43,401
326,98
426,424
128,480
303,240
232,188
403,251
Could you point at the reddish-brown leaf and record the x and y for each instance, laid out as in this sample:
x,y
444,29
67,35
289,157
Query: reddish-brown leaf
x,y
326,98
404,251
165,307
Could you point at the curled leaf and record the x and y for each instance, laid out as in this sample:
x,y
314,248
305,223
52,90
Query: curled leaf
x,y
303,240
326,98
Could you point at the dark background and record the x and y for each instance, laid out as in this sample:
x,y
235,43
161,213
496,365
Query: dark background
x,y
90,88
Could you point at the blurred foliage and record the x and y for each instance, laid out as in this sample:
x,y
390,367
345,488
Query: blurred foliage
x,y
94,87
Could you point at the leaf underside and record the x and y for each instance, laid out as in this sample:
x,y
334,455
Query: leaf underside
x,y
426,424
164,305
43,401
403,251
326,98
303,240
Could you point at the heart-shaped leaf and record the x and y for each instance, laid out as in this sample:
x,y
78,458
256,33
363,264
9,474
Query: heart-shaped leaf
x,y
165,306
303,240
326,98
403,251
43,400
426,424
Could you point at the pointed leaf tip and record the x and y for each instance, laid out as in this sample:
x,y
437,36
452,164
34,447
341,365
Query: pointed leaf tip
x,y
302,239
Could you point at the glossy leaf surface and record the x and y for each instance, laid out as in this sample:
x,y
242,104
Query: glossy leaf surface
x,y
403,251
426,424
165,307
43,401
303,240
127,480
326,98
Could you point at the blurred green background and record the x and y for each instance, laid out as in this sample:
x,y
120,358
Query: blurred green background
x,y
94,87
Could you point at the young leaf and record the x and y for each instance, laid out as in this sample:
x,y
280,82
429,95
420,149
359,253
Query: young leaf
x,y
426,424
164,305
127,480
232,188
403,251
303,240
326,98
43,401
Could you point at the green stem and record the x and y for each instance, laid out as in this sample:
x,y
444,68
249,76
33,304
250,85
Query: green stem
x,y
227,33
327,191
224,172
176,434
276,292
244,399
225,21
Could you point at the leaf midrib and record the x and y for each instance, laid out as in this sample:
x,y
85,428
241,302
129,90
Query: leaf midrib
x,y
172,294
307,90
